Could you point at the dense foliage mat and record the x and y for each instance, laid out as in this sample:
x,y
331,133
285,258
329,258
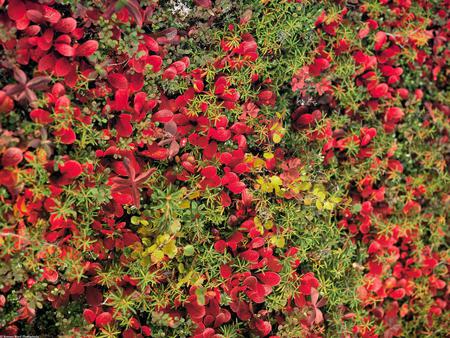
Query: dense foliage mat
x,y
224,168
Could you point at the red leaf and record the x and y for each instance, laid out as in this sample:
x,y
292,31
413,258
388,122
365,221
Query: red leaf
x,y
16,9
393,115
225,199
88,48
65,50
41,116
374,247
123,126
6,103
66,25
170,73
221,134
220,246
46,62
103,319
67,135
195,310
89,315
53,236
305,119
62,67
155,152
94,296
51,14
250,255
398,294
118,81
151,43
379,90
236,187
12,157
71,169
155,61
35,16
263,327
209,171
257,242
162,116
225,271
50,275
203,3
380,40
269,278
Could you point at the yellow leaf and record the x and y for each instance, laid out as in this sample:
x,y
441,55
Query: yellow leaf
x,y
304,186
276,138
307,200
185,204
268,225
157,256
319,205
176,226
276,181
278,241
258,163
194,195
335,199
328,205
170,249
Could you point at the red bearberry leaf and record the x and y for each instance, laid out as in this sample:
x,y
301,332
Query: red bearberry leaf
x,y
263,327
257,243
103,319
123,126
236,187
16,9
162,116
87,49
50,275
51,14
89,315
41,116
46,63
66,135
209,172
155,152
220,246
203,3
151,43
62,67
118,81
221,134
225,271
250,255
155,61
65,49
12,157
305,119
379,90
269,278
71,169
35,16
374,247
66,25
398,293
94,296
393,115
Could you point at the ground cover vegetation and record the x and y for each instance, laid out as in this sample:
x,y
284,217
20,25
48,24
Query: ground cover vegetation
x,y
224,168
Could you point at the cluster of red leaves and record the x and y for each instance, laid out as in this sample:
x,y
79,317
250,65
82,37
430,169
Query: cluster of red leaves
x,y
214,154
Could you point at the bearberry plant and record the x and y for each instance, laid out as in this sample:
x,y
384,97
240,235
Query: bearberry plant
x,y
224,168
